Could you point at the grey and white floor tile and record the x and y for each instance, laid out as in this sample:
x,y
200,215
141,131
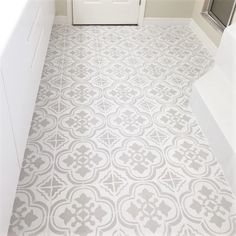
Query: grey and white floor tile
x,y
114,148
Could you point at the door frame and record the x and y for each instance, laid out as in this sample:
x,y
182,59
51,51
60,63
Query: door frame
x,y
140,18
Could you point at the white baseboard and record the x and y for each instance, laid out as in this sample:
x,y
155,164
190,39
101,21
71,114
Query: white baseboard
x,y
184,21
165,21
61,20
212,48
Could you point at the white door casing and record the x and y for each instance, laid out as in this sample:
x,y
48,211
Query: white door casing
x,y
106,11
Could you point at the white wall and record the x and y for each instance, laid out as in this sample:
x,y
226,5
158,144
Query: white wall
x,y
169,8
61,7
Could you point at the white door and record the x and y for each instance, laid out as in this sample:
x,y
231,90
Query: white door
x,y
105,11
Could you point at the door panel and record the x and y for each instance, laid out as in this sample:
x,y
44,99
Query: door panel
x,y
22,74
105,11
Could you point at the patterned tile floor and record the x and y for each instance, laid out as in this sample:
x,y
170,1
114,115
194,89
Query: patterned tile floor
x,y
114,149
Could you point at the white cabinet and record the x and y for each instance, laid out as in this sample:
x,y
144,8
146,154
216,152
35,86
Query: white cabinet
x,y
21,64
9,166
213,101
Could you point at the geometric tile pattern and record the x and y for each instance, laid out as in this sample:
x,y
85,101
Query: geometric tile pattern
x,y
114,148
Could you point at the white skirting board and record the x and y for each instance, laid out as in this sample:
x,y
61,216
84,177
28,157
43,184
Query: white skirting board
x,y
165,21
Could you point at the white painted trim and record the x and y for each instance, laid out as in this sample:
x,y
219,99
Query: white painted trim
x,y
141,12
61,20
165,21
203,37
